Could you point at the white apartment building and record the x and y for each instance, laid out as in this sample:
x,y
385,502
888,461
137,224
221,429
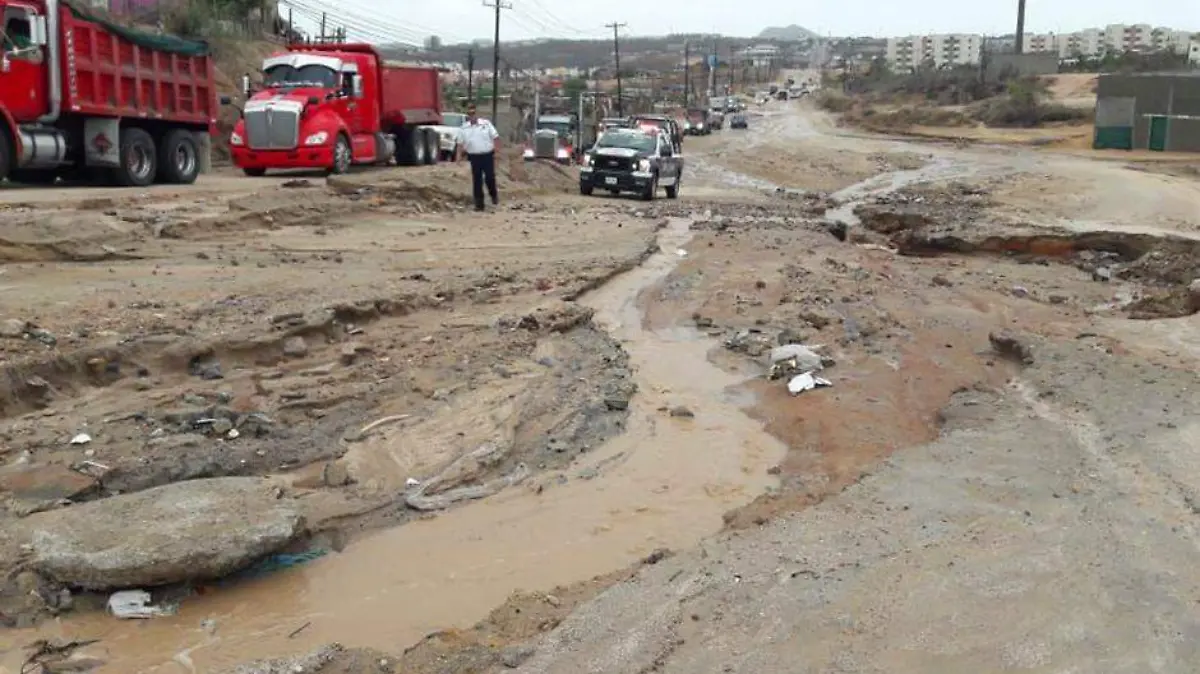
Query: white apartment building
x,y
909,53
1113,38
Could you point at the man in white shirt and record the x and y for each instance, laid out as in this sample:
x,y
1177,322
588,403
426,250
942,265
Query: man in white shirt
x,y
478,139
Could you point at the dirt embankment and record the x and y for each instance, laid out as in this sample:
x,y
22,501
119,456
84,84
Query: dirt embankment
x,y
293,336
1048,111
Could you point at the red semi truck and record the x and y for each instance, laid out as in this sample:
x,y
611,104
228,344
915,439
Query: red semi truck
x,y
329,106
84,98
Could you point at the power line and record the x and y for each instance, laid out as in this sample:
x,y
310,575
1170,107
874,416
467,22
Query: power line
x,y
498,5
617,62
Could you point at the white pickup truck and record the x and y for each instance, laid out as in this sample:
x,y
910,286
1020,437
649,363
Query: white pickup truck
x,y
447,133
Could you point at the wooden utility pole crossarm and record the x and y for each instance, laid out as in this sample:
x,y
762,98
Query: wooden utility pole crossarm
x,y
498,5
616,27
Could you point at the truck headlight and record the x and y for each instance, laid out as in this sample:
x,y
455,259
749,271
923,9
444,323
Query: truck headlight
x,y
317,138
528,154
235,138
562,153
644,165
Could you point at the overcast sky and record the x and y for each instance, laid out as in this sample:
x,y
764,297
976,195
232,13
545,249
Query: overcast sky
x,y
458,20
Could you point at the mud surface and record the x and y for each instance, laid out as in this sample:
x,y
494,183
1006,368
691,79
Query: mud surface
x,y
507,420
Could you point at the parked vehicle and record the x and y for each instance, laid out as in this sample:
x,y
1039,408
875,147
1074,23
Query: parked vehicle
x,y
661,123
447,133
331,106
738,122
630,160
84,98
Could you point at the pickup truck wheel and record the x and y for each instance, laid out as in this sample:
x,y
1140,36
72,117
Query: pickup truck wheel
x,y
255,172
343,156
673,190
585,190
651,189
179,158
139,159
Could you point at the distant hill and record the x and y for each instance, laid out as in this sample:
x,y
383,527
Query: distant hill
x,y
787,33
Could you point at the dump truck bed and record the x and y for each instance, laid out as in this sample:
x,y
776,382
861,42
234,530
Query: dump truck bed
x,y
111,71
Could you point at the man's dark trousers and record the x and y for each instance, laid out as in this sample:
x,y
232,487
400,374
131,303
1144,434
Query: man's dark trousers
x,y
483,169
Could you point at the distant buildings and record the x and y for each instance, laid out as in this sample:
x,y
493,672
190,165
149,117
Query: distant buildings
x,y
909,53
758,56
1114,38
906,53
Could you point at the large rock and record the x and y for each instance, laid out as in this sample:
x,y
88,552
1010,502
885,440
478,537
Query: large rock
x,y
178,532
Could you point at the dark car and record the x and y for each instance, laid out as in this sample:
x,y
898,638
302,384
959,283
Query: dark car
x,y
629,160
738,122
661,123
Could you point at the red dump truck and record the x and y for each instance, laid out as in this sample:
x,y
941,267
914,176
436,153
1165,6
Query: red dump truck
x,y
330,106
84,98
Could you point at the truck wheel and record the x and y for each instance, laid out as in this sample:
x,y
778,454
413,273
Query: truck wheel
x,y
179,158
255,172
673,190
343,156
420,148
433,148
139,159
5,154
585,190
651,190
406,140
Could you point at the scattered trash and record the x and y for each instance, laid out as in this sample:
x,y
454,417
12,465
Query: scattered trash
x,y
806,382
232,434
681,252
796,357
277,562
135,604
81,439
412,482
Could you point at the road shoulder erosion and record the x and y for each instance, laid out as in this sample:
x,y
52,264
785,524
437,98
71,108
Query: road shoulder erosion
x,y
1050,525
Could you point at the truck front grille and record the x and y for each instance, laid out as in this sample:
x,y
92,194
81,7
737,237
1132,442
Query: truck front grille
x,y
272,129
545,147
613,163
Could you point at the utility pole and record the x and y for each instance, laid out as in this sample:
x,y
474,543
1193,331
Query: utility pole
x,y
617,62
732,59
687,73
470,75
1020,45
322,27
291,29
498,5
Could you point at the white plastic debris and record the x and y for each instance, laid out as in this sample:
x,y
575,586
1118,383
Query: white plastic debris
x,y
806,382
81,439
134,604
681,252
232,434
806,358
411,482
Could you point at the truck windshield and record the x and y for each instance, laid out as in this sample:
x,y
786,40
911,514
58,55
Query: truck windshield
x,y
629,141
453,119
563,129
305,76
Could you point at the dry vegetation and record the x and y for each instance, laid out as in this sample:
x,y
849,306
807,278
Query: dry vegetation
x,y
957,98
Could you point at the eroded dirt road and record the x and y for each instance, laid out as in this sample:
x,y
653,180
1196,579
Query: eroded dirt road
x,y
465,407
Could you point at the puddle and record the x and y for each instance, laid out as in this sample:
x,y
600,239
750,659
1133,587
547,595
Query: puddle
x,y
666,482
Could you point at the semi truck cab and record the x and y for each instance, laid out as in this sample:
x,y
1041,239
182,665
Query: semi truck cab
x,y
313,110
331,106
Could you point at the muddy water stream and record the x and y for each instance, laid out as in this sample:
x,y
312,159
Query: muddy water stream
x,y
666,482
